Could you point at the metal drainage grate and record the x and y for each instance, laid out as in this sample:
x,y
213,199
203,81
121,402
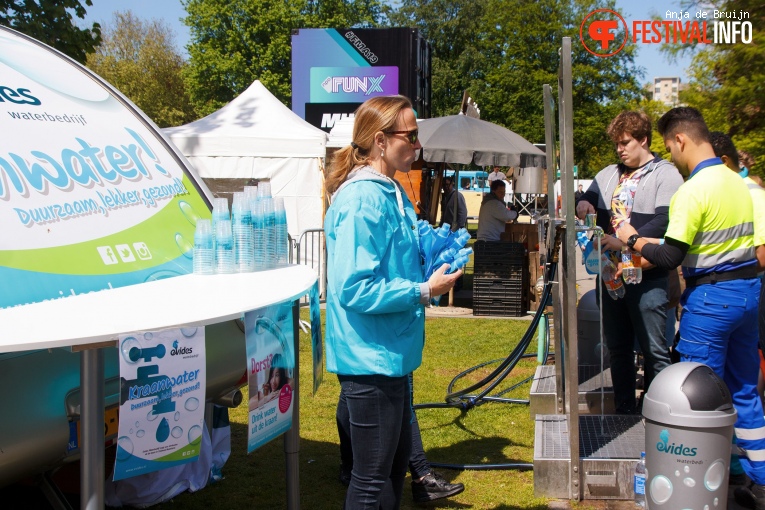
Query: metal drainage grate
x,y
600,437
590,379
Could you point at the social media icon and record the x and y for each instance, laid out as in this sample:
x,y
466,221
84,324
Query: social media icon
x,y
107,255
125,253
600,30
142,251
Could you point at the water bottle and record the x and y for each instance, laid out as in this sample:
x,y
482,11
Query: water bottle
x,y
637,259
269,233
639,485
241,226
460,260
628,269
282,235
224,247
204,252
613,284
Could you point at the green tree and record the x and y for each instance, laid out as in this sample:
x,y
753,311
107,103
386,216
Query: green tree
x,y
727,84
234,42
141,60
51,22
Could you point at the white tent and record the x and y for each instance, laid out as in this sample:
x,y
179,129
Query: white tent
x,y
256,137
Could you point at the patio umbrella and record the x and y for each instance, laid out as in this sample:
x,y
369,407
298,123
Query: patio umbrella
x,y
465,140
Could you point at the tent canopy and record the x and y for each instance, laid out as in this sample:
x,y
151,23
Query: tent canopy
x,y
256,137
254,124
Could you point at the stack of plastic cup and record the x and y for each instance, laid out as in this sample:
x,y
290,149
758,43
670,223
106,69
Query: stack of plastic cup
x,y
282,236
204,251
269,231
241,225
224,247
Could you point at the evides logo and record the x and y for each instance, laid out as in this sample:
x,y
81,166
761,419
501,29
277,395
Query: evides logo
x,y
603,32
183,350
676,449
17,96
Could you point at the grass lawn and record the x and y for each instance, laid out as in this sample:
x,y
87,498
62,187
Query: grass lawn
x,y
492,433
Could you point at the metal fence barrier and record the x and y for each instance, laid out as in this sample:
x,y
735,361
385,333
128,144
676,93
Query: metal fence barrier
x,y
311,250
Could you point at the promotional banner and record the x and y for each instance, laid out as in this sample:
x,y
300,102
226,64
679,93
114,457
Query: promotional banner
x,y
316,338
91,196
162,397
270,336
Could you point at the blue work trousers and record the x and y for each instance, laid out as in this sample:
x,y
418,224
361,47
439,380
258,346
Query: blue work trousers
x,y
719,328
640,315
379,414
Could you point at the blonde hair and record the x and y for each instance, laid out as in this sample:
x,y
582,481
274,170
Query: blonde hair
x,y
376,114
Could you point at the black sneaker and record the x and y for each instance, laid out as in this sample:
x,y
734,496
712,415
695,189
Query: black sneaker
x,y
752,496
433,486
344,476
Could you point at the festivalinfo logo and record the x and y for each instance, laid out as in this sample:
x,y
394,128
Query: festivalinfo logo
x,y
604,32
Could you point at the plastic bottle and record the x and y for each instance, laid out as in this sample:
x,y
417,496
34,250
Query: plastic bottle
x,y
637,259
282,235
204,251
613,285
639,485
460,260
224,247
628,269
241,226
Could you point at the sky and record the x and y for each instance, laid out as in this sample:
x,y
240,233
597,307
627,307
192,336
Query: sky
x,y
171,11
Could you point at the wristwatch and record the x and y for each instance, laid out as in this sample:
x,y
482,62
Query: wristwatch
x,y
631,240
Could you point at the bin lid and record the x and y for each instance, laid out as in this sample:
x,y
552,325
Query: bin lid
x,y
690,395
587,309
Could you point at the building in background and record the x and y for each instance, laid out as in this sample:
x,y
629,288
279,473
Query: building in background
x,y
666,89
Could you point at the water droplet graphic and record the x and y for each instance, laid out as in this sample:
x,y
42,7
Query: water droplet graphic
x,y
187,248
677,472
130,431
687,469
661,489
130,349
689,482
140,433
715,475
148,335
124,448
188,212
137,424
195,434
177,432
191,404
177,416
163,431
188,332
716,502
161,275
151,416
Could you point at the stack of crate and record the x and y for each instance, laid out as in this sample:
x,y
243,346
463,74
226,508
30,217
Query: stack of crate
x,y
500,282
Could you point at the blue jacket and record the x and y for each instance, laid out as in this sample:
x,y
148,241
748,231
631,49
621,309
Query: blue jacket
x,y
375,318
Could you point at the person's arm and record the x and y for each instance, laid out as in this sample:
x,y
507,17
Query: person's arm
x,y
666,256
588,203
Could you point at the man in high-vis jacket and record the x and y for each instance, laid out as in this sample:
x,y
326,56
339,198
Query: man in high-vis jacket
x,y
711,232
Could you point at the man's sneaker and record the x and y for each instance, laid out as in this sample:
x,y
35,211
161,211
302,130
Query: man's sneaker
x,y
752,496
433,486
344,476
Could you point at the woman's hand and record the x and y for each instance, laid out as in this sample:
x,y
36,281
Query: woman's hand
x,y
440,282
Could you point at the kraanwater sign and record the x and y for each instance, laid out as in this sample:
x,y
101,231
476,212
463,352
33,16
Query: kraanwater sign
x,y
91,197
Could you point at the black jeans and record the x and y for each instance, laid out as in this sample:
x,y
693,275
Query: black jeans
x,y
374,411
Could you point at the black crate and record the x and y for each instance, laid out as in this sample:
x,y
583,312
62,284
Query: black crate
x,y
494,271
499,248
497,288
498,307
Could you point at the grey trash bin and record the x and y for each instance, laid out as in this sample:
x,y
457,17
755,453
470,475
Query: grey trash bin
x,y
588,331
689,425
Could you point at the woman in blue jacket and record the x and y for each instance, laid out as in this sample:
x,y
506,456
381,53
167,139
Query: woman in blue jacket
x,y
375,295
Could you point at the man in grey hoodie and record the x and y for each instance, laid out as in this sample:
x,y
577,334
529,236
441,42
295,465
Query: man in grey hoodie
x,y
637,190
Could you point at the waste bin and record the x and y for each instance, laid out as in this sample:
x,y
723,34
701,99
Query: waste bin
x,y
689,425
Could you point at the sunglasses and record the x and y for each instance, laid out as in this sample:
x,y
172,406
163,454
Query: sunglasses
x,y
409,135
